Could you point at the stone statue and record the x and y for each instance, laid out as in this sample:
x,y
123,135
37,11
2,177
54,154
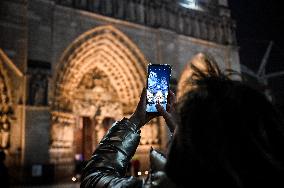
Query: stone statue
x,y
38,90
4,117
61,135
4,132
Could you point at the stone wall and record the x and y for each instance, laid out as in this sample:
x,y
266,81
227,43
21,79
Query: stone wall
x,y
158,45
13,30
211,21
13,42
58,26
13,55
35,35
50,37
37,135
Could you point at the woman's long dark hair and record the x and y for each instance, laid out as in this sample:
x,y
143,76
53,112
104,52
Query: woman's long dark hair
x,y
230,135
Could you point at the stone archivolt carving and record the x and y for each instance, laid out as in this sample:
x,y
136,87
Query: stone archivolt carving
x,y
100,75
6,111
62,138
161,13
110,51
92,91
62,130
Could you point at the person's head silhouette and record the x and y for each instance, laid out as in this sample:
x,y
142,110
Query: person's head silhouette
x,y
2,156
229,135
225,134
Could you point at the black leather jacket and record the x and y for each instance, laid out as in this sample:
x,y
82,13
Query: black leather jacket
x,y
108,165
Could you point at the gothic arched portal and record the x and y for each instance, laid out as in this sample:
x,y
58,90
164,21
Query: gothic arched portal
x,y
5,106
107,51
99,77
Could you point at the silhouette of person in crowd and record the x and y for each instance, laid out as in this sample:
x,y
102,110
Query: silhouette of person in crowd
x,y
4,175
135,163
225,134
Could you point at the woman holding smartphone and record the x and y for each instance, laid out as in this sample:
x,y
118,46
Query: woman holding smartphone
x,y
225,134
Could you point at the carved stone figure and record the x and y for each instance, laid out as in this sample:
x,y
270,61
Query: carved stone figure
x,y
4,115
4,134
4,131
165,13
62,135
38,89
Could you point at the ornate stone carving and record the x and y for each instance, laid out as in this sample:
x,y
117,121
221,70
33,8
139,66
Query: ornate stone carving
x,y
95,96
100,76
109,51
38,89
38,78
161,13
62,138
5,112
62,130
212,31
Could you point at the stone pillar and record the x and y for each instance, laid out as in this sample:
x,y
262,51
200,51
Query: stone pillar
x,y
131,11
61,150
37,123
188,25
196,28
164,16
180,23
151,15
120,9
140,13
93,5
220,34
203,29
61,137
172,20
212,31
108,7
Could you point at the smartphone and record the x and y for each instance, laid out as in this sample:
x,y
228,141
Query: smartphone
x,y
158,82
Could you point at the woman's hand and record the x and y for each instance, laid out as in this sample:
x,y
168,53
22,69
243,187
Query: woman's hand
x,y
170,115
140,117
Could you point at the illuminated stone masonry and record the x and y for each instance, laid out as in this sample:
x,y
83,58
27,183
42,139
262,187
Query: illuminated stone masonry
x,y
80,65
38,79
99,49
61,137
207,19
109,52
100,76
6,110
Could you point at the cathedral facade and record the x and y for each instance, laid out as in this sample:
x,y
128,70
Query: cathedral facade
x,y
70,68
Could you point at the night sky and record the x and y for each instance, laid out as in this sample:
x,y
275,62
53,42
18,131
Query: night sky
x,y
259,22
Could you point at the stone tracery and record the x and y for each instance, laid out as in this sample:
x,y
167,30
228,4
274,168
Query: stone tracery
x,y
106,49
5,109
100,76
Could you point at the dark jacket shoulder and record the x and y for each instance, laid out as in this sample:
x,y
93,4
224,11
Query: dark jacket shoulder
x,y
108,164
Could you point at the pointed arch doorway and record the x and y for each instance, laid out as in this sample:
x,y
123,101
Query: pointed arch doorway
x,y
98,80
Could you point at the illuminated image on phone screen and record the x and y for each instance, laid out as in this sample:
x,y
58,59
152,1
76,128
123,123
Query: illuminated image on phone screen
x,y
157,86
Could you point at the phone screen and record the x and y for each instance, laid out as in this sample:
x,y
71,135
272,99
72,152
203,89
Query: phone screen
x,y
158,82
